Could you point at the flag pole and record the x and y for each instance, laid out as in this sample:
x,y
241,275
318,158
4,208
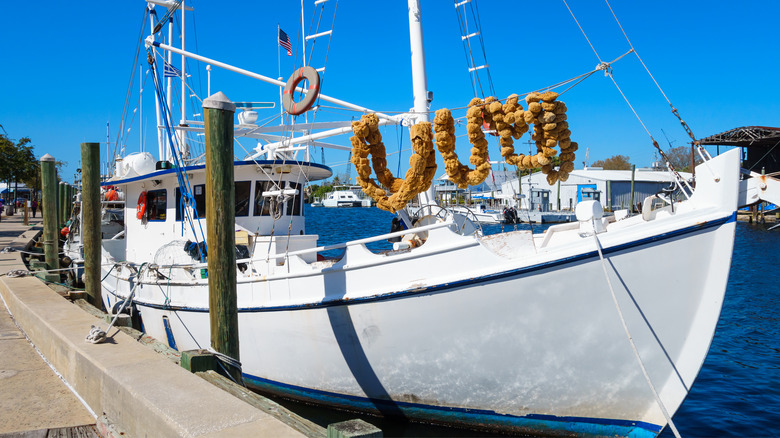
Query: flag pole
x,y
279,65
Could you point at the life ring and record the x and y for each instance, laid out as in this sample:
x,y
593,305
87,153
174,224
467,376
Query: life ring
x,y
140,210
297,108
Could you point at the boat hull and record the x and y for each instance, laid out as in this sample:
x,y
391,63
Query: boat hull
x,y
536,348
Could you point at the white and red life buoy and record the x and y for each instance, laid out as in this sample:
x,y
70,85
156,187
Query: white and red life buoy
x,y
297,108
140,210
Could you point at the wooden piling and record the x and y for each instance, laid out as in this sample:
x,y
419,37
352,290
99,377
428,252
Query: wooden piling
x,y
68,201
90,217
220,225
59,203
49,214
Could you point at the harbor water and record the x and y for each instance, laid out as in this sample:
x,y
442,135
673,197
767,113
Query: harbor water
x,y
737,393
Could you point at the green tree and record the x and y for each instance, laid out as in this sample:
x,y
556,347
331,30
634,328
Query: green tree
x,y
616,162
18,163
680,158
29,171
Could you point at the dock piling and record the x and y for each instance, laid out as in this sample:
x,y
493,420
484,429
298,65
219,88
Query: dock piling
x,y
90,216
49,214
220,227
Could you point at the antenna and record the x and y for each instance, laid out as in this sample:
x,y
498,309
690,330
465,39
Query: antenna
x,y
585,161
667,138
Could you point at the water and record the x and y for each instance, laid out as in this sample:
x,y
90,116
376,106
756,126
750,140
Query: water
x,y
737,393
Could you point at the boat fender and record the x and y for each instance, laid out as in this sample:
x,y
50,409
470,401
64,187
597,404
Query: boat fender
x,y
297,108
140,210
64,231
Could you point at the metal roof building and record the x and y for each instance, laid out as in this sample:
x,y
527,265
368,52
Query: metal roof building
x,y
610,187
759,143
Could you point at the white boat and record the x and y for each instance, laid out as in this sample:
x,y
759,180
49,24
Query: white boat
x,y
111,226
479,213
516,331
346,196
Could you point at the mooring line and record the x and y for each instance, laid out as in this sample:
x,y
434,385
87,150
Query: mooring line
x,y
630,338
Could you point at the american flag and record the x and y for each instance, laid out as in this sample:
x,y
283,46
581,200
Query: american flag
x,y
284,41
170,71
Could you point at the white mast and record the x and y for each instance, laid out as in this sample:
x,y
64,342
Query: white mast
x,y
422,98
183,67
160,136
169,88
108,154
183,147
141,104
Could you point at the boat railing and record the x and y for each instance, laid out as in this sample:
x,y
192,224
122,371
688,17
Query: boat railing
x,y
317,249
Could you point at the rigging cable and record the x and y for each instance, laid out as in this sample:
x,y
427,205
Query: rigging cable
x,y
475,12
132,78
608,72
471,63
674,110
187,199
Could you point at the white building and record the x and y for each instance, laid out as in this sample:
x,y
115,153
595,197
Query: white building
x,y
490,189
610,187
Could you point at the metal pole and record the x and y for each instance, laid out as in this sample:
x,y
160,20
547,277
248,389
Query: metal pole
x,y
220,227
90,216
49,214
422,103
633,171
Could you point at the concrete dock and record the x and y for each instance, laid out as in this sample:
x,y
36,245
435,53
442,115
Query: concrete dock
x,y
56,383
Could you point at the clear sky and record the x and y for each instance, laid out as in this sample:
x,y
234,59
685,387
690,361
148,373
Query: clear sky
x,y
67,65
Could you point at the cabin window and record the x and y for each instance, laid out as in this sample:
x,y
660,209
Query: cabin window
x,y
156,204
294,204
242,197
262,205
199,193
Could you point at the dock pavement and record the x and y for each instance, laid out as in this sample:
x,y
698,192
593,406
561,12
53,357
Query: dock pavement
x,y
34,401
54,383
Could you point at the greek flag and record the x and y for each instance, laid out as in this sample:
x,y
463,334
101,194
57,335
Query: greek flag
x,y
170,71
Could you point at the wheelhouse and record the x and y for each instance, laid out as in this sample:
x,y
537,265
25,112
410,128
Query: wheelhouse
x,y
268,205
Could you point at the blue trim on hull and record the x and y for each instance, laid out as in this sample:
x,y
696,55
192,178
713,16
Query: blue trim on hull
x,y
462,283
463,417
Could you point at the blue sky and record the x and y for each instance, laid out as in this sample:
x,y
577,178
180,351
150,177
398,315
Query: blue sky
x,y
67,65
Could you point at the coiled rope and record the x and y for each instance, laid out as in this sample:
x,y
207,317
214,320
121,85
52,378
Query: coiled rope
x,y
96,335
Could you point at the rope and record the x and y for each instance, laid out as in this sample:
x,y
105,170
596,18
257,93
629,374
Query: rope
x,y
225,359
605,66
674,110
8,249
96,335
17,273
631,339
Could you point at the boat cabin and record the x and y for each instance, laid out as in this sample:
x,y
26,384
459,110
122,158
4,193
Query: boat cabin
x,y
268,207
